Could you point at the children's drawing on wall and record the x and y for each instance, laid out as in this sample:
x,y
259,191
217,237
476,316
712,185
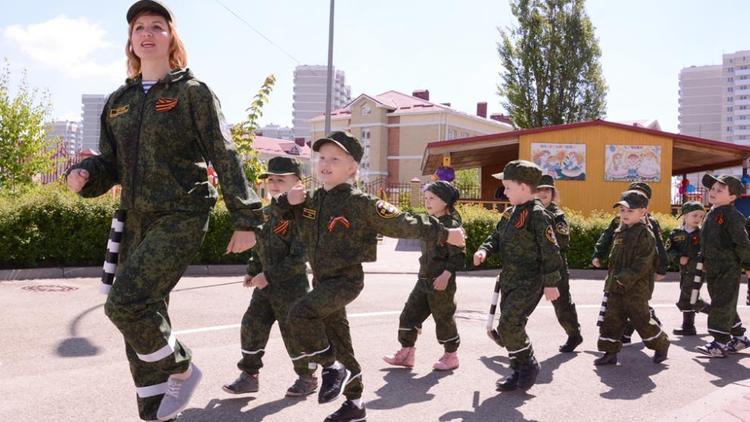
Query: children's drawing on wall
x,y
561,161
632,162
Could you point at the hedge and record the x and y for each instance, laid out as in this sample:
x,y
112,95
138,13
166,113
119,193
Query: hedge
x,y
50,226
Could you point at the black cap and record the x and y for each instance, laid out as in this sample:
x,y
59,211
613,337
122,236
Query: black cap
x,y
546,181
689,207
521,171
734,184
148,6
445,191
282,166
632,199
641,187
345,141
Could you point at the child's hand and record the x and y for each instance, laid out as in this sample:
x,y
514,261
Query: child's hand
x,y
660,277
248,281
441,282
260,282
241,241
551,293
747,273
683,260
596,263
479,257
457,237
296,194
77,179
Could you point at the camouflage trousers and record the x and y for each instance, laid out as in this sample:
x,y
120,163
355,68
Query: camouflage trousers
x,y
565,309
723,284
632,307
267,306
318,323
629,326
155,251
686,289
517,301
424,301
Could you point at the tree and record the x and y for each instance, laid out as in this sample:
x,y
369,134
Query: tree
x,y
243,132
551,71
24,148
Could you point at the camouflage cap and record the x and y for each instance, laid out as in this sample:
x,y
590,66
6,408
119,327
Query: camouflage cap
x,y
632,199
546,181
641,187
345,141
734,184
445,191
521,171
282,166
689,207
148,6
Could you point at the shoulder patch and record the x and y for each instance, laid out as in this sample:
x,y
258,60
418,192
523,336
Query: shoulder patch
x,y
117,111
668,244
679,238
549,233
386,209
562,228
507,213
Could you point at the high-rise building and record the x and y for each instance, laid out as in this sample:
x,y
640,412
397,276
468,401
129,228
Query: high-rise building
x,y
700,101
91,118
735,111
276,131
69,132
310,96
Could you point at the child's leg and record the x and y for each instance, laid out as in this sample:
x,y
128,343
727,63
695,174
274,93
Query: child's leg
x,y
636,306
516,304
337,330
565,309
254,332
723,287
686,289
613,326
158,250
415,312
281,310
442,304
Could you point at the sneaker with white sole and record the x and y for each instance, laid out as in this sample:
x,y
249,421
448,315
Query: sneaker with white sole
x,y
713,349
348,412
179,392
737,344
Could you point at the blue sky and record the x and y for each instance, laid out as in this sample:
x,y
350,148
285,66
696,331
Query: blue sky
x,y
446,46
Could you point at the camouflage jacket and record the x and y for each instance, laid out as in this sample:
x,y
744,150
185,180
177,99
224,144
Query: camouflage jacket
x,y
562,229
157,146
527,245
604,244
437,257
339,227
724,241
632,260
278,253
681,243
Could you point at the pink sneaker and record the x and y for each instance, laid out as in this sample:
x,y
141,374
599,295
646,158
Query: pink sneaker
x,y
447,362
404,357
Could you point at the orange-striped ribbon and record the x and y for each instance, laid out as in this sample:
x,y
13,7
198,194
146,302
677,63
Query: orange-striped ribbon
x,y
341,219
281,228
165,104
521,219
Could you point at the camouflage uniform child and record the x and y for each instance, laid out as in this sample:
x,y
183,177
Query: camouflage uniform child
x,y
565,309
726,253
531,268
604,245
277,271
683,247
434,293
339,226
631,265
156,142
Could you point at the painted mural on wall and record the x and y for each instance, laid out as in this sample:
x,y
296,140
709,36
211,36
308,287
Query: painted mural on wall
x,y
627,163
561,161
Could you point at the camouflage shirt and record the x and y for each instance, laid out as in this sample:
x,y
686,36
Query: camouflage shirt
x,y
604,244
278,253
339,227
527,244
632,260
157,145
437,257
724,240
681,243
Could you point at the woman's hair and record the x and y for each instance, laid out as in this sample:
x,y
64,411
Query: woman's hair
x,y
177,54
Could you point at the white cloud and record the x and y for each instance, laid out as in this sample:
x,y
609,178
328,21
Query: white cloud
x,y
67,45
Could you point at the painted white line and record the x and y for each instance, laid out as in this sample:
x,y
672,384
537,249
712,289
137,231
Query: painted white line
x,y
233,326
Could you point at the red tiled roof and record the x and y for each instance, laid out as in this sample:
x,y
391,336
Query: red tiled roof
x,y
280,147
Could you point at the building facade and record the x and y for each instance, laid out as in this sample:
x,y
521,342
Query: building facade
x,y
310,96
735,112
91,117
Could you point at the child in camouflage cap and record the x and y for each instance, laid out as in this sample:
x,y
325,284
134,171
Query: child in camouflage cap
x,y
339,226
531,260
277,271
434,293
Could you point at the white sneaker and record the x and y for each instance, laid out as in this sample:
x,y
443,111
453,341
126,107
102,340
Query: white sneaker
x,y
178,393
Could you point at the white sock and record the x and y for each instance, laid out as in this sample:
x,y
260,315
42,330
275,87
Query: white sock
x,y
357,402
335,365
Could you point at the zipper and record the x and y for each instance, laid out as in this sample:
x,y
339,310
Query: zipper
x,y
317,226
138,141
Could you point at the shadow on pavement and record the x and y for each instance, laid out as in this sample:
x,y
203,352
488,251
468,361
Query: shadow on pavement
x,y
497,407
231,410
75,346
727,371
402,387
630,379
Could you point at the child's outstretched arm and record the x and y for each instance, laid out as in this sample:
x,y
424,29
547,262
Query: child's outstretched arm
x,y
392,222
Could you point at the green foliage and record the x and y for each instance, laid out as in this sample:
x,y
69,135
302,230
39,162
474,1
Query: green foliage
x,y
25,150
243,132
551,71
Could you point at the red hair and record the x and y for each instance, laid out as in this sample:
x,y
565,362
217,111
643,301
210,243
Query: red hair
x,y
177,53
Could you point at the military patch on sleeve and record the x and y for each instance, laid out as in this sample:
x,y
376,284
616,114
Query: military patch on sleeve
x,y
668,245
117,111
506,214
386,209
309,213
679,238
549,233
562,228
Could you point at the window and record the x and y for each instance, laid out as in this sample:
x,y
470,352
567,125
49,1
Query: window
x,y
451,134
730,79
730,109
742,127
741,117
730,89
366,109
729,119
742,107
730,99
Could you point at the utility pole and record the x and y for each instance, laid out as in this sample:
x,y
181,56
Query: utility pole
x,y
329,82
